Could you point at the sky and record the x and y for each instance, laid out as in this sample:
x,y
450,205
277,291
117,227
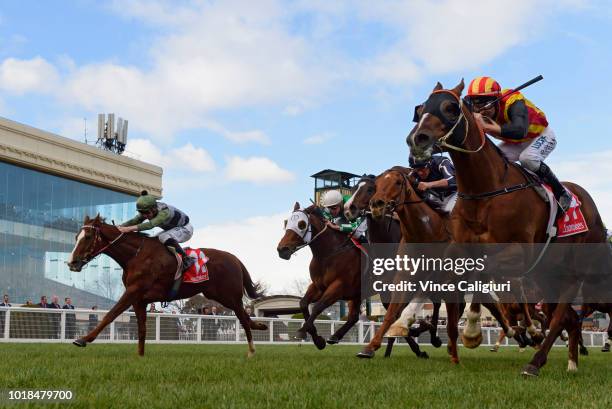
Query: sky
x,y
240,101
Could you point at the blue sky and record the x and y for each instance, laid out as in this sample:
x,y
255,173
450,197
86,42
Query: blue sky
x,y
241,102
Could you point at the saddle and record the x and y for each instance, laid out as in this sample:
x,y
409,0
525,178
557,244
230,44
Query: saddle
x,y
559,224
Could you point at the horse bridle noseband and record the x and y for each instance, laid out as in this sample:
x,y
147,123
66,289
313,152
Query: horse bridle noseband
x,y
392,205
442,141
98,237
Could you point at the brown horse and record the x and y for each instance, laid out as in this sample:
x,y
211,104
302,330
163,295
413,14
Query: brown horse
x,y
335,269
385,229
420,224
498,205
148,276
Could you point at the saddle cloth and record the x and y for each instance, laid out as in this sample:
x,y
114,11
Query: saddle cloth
x,y
573,222
198,272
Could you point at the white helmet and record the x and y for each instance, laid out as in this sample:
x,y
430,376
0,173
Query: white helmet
x,y
331,198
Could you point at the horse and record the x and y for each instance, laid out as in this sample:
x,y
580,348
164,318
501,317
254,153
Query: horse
x,y
420,224
385,229
493,192
148,276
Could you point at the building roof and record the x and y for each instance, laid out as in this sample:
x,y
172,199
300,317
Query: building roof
x,y
329,174
34,148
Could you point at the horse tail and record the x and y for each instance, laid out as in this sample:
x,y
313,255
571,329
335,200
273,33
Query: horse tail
x,y
253,290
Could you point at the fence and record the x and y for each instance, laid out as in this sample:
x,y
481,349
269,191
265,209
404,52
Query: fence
x,y
53,325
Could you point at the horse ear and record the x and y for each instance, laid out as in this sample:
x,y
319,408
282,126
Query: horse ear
x,y
438,86
296,206
86,219
459,88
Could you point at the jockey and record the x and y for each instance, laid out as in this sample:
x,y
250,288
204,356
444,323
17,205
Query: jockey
x,y
521,126
436,177
174,222
333,202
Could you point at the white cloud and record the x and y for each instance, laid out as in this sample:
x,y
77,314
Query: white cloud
x,y
581,169
22,76
254,242
256,169
237,136
318,138
186,157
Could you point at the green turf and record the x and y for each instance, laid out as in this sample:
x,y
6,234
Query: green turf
x,y
216,376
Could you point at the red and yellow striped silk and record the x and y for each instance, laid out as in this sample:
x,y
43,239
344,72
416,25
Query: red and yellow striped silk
x,y
537,118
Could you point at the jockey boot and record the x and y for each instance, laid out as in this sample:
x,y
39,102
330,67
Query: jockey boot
x,y
561,194
187,261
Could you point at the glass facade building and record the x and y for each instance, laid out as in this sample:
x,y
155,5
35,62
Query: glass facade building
x,y
40,214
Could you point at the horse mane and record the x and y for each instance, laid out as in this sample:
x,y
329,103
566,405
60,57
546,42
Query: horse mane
x,y
102,220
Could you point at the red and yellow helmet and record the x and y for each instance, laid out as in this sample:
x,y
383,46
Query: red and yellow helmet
x,y
484,87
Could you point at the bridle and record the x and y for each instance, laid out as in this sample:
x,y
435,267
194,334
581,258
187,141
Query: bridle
x,y
90,255
442,142
307,237
405,194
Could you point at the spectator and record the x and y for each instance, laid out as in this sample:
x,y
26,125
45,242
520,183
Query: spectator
x,y
249,311
152,308
43,302
55,319
5,301
93,319
70,318
209,329
29,303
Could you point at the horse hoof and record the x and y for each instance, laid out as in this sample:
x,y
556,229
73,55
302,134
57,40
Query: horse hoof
x,y
333,340
250,354
454,360
423,355
319,342
584,351
530,370
300,335
80,343
366,353
436,342
537,338
606,348
471,342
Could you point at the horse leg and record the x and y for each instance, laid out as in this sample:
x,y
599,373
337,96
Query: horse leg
x,y
312,293
390,342
245,321
433,332
606,345
140,309
472,335
353,317
124,302
574,330
393,312
331,294
556,326
501,319
535,334
453,312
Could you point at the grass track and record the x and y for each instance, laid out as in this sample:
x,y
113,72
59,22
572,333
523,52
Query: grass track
x,y
219,376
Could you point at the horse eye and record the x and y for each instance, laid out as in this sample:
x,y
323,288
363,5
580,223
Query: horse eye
x,y
301,225
450,109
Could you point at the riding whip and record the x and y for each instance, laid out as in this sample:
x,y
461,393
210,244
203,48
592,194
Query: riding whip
x,y
512,91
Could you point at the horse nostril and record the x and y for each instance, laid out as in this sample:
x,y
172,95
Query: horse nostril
x,y
421,139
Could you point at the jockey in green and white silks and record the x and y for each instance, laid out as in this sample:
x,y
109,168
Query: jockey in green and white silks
x,y
333,204
174,222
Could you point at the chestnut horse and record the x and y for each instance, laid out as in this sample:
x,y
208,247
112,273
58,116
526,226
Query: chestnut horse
x,y
380,230
148,276
420,224
497,205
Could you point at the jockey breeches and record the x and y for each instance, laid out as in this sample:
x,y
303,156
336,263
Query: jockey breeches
x,y
533,152
180,234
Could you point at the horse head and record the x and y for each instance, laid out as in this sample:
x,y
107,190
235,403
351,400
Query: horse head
x,y
393,187
301,228
360,200
440,121
90,241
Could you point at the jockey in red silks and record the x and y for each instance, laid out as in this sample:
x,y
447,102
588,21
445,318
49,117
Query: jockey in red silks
x,y
522,127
